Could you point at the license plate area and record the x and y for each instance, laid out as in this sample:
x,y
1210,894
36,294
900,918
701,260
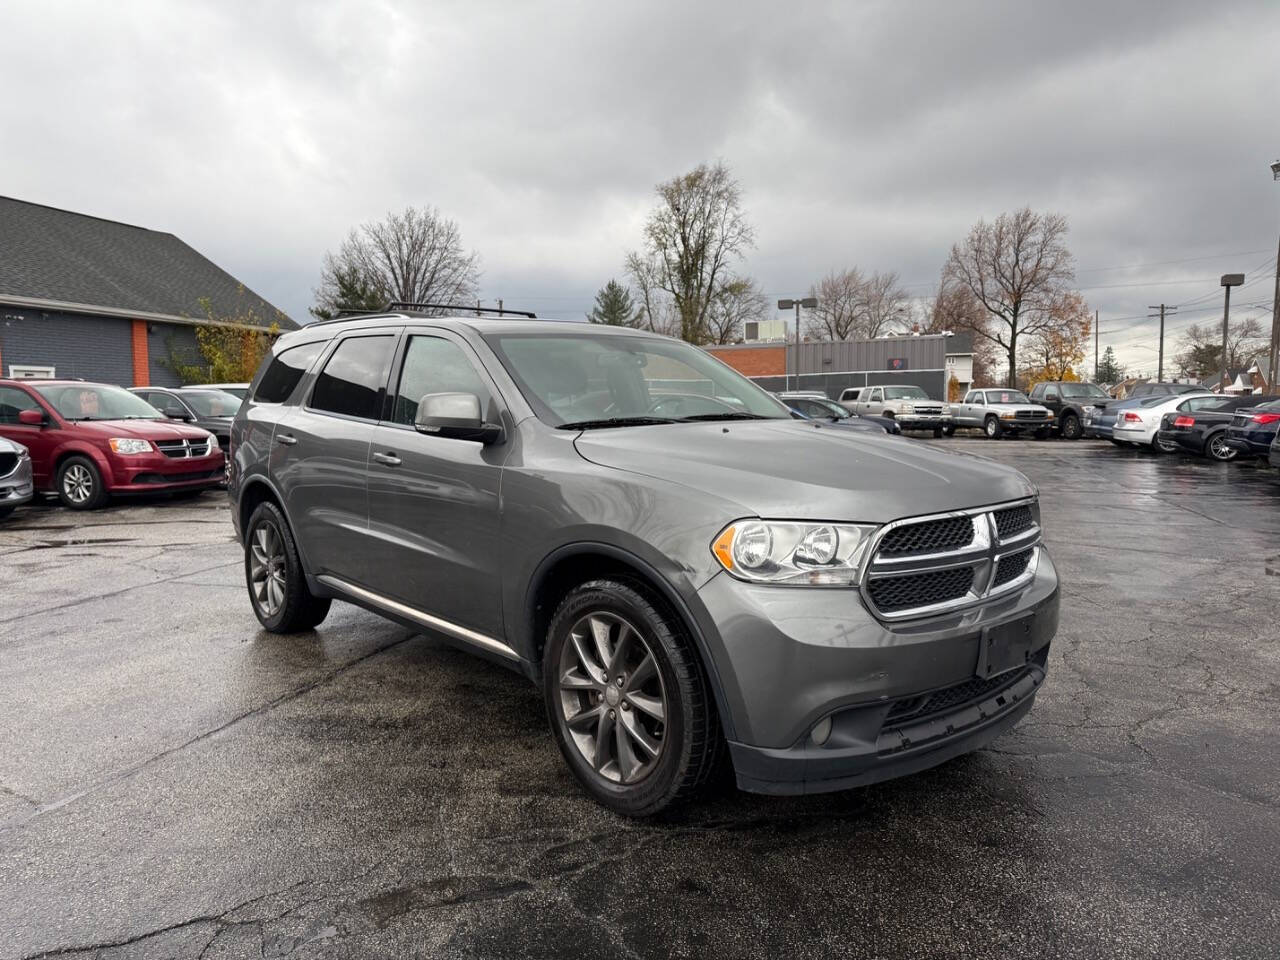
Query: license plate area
x,y
1005,647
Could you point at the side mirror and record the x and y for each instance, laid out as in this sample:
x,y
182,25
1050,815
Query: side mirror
x,y
32,418
455,415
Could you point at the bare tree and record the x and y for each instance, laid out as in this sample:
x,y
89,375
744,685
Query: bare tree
x,y
414,256
852,305
691,240
1018,268
739,301
1201,354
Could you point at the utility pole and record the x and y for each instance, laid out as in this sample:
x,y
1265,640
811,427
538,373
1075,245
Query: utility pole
x,y
1163,308
1229,280
1095,346
1275,311
808,303
499,306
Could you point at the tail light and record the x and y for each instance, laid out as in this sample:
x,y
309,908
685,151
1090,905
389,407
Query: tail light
x,y
1265,417
1185,422
1131,417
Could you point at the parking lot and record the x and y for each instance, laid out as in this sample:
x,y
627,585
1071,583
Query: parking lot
x,y
175,783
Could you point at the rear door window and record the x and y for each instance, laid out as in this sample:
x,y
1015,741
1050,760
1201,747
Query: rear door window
x,y
354,377
285,371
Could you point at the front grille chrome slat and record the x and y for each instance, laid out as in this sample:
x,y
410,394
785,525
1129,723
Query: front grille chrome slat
x,y
922,566
183,449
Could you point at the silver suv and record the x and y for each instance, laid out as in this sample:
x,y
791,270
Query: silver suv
x,y
687,571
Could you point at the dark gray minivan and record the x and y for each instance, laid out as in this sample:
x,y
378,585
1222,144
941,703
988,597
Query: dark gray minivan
x,y
687,571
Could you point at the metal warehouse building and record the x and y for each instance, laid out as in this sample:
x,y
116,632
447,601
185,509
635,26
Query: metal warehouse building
x,y
926,360
85,297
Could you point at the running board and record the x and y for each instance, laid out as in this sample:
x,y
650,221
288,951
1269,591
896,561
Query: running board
x,y
426,619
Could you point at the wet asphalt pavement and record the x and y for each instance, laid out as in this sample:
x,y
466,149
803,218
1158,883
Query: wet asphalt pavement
x,y
175,783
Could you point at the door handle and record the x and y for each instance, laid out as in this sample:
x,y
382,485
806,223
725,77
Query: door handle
x,y
390,459
287,439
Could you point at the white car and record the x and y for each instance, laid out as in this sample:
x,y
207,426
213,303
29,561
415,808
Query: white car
x,y
1140,424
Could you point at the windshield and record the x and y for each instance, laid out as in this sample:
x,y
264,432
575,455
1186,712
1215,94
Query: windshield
x,y
1006,396
211,403
833,408
1083,390
96,401
905,393
602,379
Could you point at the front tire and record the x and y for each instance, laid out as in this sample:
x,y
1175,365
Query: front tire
x,y
949,430
937,433
628,700
273,574
79,484
991,427
1217,448
1071,427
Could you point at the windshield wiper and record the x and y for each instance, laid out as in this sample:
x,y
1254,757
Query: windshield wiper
x,y
614,422
730,415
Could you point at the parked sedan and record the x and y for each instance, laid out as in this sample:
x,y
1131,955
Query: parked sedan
x,y
1200,424
816,406
1253,429
16,484
820,408
89,441
1274,458
237,390
1140,424
998,411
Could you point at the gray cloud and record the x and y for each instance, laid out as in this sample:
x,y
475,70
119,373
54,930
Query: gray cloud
x,y
872,134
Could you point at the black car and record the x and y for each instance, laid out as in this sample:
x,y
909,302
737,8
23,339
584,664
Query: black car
x,y
1067,400
1253,429
1200,424
1274,457
820,408
207,408
1155,389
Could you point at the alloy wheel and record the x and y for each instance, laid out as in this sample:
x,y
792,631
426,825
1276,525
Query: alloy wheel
x,y
1219,450
267,569
77,483
612,698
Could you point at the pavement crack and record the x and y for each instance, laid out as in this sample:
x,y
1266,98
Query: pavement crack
x,y
10,792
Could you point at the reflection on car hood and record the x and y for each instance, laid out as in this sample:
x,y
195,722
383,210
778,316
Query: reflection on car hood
x,y
795,470
145,429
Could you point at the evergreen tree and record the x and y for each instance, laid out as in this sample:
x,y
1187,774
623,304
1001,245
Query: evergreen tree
x,y
1109,371
614,306
349,289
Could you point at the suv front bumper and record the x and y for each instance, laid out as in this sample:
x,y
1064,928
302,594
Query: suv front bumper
x,y
900,698
911,421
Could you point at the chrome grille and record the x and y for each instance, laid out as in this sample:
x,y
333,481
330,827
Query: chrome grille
x,y
926,565
1031,414
183,449
935,536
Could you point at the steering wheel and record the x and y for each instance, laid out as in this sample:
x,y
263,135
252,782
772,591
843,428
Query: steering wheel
x,y
682,400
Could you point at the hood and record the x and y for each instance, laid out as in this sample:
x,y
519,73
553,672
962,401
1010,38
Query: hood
x,y
807,471
145,429
1033,407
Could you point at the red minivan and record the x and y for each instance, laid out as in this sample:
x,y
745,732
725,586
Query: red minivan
x,y
89,441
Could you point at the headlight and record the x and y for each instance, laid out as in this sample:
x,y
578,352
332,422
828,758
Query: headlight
x,y
128,445
908,408
213,443
23,452
1008,416
771,551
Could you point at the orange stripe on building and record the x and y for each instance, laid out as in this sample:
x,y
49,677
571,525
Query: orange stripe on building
x,y
141,360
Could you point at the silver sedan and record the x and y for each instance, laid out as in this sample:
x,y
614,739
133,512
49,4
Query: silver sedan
x,y
16,487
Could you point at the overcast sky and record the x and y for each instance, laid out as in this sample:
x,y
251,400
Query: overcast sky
x,y
868,134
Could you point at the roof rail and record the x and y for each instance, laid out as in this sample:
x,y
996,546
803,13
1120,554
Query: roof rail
x,y
460,307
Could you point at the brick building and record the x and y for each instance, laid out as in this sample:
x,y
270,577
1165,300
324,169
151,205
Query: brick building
x,y
85,297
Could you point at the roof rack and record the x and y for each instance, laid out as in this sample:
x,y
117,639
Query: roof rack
x,y
460,307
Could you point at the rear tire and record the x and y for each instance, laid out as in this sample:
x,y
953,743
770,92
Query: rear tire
x,y
1071,427
991,427
1162,446
646,646
79,484
274,576
1216,448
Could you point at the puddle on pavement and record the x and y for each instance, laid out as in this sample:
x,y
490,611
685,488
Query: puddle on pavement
x,y
79,542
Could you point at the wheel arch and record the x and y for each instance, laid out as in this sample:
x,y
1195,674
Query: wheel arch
x,y
80,449
571,564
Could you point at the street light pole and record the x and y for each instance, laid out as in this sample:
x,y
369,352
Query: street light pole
x,y
808,303
1229,280
1274,374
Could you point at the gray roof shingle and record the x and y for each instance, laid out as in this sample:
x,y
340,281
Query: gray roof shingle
x,y
72,258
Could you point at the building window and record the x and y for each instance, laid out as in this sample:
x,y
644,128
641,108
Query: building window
x,y
27,372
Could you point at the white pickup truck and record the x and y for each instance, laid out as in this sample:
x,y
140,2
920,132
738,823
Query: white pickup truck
x,y
906,403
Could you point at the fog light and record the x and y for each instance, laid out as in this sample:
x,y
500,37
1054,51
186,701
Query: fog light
x,y
821,731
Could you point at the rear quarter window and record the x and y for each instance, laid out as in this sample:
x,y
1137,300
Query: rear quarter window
x,y
285,371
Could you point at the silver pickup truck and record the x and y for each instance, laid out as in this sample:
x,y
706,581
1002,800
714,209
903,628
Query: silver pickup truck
x,y
999,411
908,404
